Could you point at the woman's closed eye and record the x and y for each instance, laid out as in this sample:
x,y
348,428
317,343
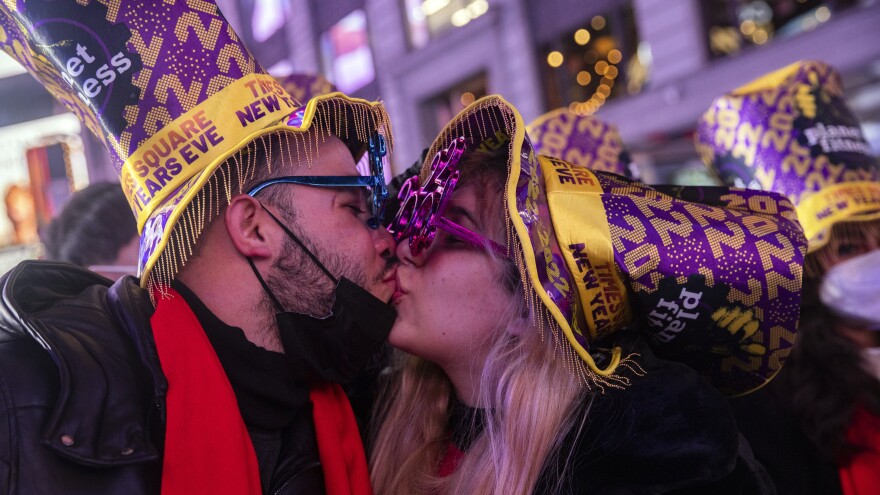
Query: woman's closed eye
x,y
446,240
850,248
451,240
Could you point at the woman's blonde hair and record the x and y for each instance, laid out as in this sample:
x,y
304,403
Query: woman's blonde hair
x,y
528,397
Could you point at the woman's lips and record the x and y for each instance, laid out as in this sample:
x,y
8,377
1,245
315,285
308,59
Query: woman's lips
x,y
396,297
389,285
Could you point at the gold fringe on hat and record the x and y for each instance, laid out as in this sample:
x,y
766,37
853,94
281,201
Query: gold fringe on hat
x,y
333,116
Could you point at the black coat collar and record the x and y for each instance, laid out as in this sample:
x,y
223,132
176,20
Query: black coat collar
x,y
111,386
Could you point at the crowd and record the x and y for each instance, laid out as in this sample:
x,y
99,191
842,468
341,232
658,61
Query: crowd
x,y
516,313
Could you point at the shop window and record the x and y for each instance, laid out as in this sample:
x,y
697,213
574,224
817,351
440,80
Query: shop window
x,y
427,19
264,30
438,110
598,60
733,25
42,163
346,53
55,169
268,18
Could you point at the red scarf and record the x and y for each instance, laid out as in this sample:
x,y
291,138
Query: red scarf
x,y
339,442
207,447
450,461
862,475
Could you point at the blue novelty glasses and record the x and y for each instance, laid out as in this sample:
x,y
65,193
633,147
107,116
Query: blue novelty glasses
x,y
374,182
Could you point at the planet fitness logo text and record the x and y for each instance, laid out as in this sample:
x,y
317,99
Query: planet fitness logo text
x,y
104,76
91,56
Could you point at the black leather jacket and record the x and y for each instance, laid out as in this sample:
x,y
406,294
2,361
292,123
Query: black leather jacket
x,y
82,394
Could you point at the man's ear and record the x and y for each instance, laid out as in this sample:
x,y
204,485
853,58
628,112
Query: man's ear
x,y
246,226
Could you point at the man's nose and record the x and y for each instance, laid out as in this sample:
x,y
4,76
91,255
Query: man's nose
x,y
384,243
405,255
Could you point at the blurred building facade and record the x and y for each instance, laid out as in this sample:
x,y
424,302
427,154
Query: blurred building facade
x,y
649,66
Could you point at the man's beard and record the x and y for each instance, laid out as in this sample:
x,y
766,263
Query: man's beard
x,y
301,286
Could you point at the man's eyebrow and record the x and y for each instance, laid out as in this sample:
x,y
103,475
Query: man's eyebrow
x,y
459,211
357,191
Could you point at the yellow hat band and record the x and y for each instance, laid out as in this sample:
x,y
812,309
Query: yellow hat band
x,y
194,140
848,201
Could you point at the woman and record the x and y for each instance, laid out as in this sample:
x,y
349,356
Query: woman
x,y
851,293
830,390
815,153
511,295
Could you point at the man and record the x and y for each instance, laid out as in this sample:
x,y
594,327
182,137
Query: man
x,y
263,278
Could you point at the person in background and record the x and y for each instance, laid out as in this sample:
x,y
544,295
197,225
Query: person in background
x,y
22,213
532,363
809,146
839,404
95,230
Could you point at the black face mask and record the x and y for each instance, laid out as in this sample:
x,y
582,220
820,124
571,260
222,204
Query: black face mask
x,y
337,347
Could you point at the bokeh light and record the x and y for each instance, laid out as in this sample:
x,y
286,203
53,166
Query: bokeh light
x,y
582,37
584,78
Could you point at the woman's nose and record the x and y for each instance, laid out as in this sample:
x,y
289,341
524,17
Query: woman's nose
x,y
405,255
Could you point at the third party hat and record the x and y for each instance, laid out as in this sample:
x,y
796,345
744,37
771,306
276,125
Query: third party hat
x,y
181,105
583,140
712,275
792,132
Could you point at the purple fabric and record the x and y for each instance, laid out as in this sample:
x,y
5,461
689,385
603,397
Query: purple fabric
x,y
793,138
127,71
582,140
532,205
304,87
178,55
688,252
